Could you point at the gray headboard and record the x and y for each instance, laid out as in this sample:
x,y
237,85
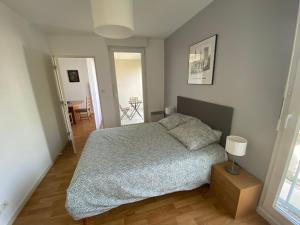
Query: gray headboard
x,y
218,117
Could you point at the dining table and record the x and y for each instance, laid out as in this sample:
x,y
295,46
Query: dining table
x,y
135,104
72,106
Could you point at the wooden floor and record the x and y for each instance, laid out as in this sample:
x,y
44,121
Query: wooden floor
x,y
197,207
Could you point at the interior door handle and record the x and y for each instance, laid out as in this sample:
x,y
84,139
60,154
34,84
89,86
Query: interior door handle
x,y
287,119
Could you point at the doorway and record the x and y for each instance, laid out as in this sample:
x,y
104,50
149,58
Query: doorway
x,y
78,89
129,85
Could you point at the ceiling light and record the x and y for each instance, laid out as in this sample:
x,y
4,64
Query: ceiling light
x,y
113,18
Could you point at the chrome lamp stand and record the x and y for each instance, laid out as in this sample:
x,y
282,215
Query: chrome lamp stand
x,y
232,168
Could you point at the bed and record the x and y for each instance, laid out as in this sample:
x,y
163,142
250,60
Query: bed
x,y
132,163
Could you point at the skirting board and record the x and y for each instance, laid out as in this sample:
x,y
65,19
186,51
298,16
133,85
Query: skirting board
x,y
261,211
33,188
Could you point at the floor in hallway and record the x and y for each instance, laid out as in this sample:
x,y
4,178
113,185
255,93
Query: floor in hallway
x,y
197,207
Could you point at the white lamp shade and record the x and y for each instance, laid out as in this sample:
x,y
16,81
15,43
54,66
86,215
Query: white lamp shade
x,y
113,18
169,110
236,145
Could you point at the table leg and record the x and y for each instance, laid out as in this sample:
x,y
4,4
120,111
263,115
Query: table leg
x,y
133,111
137,110
71,110
86,221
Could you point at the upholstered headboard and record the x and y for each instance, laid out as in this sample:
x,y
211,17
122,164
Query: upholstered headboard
x,y
218,117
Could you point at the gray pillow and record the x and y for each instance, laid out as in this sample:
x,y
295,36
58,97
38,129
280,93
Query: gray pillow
x,y
218,134
195,134
174,120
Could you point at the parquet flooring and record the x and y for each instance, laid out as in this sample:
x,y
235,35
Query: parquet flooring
x,y
197,207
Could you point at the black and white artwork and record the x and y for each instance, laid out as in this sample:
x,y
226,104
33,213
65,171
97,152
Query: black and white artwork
x,y
73,76
201,61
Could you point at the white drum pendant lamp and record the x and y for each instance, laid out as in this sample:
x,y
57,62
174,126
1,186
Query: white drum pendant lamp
x,y
113,18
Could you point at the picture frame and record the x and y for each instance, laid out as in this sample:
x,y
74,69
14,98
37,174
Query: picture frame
x,y
73,76
202,61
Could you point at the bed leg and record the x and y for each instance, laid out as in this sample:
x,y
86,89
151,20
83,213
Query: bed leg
x,y
86,221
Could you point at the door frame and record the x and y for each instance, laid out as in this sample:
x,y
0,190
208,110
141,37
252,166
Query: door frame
x,y
288,126
98,81
140,50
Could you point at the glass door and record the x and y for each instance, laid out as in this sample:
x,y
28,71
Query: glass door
x,y
288,201
281,197
280,200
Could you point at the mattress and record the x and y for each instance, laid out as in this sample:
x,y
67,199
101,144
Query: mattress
x,y
131,163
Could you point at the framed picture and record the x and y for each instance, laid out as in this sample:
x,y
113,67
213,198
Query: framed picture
x,y
73,75
202,61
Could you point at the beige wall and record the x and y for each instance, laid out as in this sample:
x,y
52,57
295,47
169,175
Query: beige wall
x,y
32,129
97,47
129,80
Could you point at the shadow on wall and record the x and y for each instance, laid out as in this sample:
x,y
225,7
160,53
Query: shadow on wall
x,y
44,88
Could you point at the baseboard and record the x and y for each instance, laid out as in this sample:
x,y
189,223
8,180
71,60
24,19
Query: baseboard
x,y
32,189
261,211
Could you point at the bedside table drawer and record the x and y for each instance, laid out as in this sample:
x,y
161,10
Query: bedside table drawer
x,y
227,201
221,184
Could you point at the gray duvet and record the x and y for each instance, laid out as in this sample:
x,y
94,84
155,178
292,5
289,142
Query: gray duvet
x,y
128,164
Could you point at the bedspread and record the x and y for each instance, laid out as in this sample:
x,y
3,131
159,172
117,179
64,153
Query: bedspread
x,y
131,163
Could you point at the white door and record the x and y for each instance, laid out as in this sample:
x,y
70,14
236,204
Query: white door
x,y
63,103
91,68
282,195
280,202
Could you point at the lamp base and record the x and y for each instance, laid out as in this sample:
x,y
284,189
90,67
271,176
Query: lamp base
x,y
232,169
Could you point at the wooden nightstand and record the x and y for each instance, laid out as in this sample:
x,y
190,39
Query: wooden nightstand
x,y
238,193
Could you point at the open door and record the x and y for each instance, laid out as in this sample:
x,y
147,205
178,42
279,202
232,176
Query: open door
x,y
91,68
129,84
280,202
63,104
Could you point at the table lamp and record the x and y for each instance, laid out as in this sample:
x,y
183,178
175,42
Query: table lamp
x,y
235,146
169,110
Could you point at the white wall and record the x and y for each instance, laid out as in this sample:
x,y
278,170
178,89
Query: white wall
x,y
129,80
74,91
97,47
31,134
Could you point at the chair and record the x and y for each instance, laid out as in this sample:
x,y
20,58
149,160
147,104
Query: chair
x,y
71,118
134,99
124,111
85,112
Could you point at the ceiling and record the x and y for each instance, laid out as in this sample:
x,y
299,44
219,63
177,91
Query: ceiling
x,y
153,18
